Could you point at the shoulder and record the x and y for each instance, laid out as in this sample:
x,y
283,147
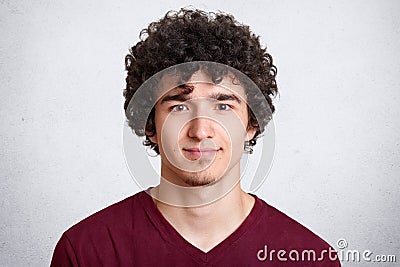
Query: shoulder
x,y
279,237
286,230
117,215
101,238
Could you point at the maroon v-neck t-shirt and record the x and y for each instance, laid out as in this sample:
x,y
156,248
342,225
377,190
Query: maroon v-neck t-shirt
x,y
134,233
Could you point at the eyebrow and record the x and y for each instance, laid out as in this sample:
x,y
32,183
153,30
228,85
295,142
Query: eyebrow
x,y
214,96
177,97
224,97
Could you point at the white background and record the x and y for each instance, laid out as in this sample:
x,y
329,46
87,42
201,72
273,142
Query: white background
x,y
336,167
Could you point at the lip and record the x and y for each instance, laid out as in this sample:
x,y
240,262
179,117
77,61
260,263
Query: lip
x,y
196,149
195,152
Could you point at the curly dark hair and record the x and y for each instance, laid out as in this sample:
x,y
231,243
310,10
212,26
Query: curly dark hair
x,y
191,35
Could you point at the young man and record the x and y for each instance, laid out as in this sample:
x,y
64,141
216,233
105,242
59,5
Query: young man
x,y
199,89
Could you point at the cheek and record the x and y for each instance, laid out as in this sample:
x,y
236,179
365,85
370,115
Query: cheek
x,y
169,136
237,136
169,132
235,131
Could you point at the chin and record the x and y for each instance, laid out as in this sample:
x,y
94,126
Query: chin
x,y
194,183
200,180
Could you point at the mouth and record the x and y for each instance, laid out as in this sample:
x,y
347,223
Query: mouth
x,y
196,153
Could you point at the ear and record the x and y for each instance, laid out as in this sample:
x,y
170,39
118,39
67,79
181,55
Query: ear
x,y
153,138
251,131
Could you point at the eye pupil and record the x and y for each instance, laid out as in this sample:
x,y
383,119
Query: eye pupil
x,y
223,107
183,107
179,108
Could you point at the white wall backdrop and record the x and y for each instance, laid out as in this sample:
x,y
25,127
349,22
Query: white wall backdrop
x,y
337,162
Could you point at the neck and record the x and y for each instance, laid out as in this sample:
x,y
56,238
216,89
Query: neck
x,y
185,197
204,216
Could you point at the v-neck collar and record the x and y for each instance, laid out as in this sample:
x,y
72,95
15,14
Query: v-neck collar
x,y
172,236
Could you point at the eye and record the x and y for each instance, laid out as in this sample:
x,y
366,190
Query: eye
x,y
223,106
178,108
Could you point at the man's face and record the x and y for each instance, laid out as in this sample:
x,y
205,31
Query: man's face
x,y
201,135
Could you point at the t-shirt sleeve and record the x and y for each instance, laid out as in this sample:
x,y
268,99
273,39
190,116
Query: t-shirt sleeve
x,y
64,254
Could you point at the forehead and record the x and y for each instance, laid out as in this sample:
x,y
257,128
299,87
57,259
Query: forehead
x,y
202,86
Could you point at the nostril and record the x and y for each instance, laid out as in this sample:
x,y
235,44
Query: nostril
x,y
201,128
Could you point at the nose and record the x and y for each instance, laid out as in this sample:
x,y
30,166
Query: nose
x,y
201,128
